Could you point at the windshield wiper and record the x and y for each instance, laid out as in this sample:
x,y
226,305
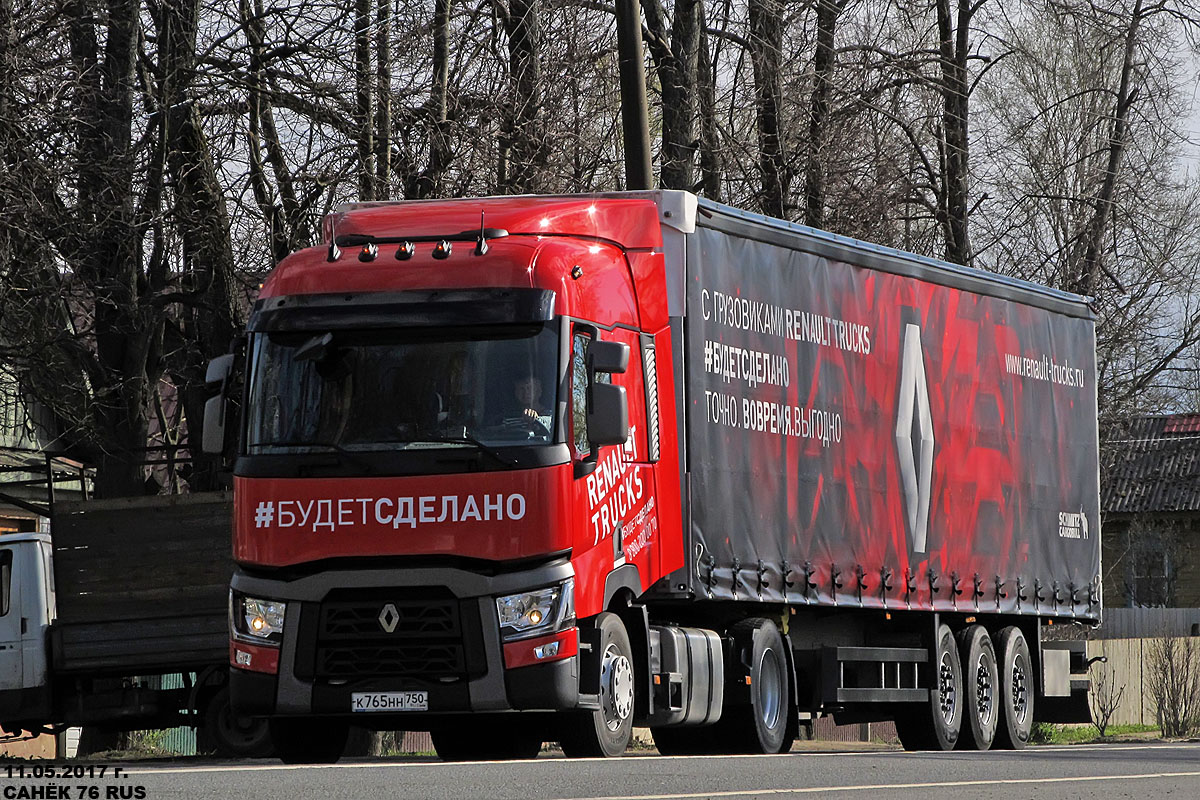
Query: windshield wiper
x,y
341,450
468,440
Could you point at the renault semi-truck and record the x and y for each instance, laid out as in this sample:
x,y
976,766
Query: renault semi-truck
x,y
528,469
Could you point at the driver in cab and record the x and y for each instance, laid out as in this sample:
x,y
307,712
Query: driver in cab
x,y
530,406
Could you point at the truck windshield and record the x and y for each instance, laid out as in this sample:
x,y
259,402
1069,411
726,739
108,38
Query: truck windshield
x,y
376,390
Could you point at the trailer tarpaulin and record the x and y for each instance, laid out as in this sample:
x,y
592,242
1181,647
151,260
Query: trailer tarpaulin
x,y
891,435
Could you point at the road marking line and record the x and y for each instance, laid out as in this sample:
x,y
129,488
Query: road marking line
x,y
150,769
882,786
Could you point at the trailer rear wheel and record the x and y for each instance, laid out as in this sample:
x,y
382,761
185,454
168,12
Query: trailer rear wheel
x,y
308,741
485,741
607,731
936,724
982,691
1016,689
762,725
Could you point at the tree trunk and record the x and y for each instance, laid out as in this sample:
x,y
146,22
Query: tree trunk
x,y
383,101
710,157
676,63
522,137
364,117
287,226
1088,252
766,42
953,34
108,263
437,111
828,13
208,320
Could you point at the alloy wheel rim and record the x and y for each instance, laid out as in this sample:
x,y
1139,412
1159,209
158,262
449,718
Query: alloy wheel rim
x,y
946,690
616,687
1020,691
983,689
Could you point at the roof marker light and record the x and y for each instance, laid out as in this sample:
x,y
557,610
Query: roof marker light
x,y
442,250
405,251
369,252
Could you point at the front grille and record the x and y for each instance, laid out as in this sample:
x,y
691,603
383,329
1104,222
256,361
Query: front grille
x,y
354,620
433,660
433,636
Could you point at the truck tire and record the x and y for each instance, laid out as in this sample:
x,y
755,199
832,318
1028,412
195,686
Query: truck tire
x,y
762,726
308,741
1016,689
936,724
607,731
982,689
233,736
486,741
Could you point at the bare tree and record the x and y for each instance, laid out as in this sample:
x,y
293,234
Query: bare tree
x,y
1173,680
676,62
1105,696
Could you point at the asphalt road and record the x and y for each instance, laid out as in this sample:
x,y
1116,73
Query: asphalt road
x,y
1154,770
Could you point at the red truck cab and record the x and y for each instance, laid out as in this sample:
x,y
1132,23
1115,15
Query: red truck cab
x,y
450,460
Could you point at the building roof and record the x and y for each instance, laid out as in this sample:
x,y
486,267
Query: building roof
x,y
1155,466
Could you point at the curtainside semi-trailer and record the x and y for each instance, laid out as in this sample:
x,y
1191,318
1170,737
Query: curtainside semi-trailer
x,y
543,468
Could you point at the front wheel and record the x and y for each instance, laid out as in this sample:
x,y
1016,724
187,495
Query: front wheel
x,y
231,735
308,741
607,731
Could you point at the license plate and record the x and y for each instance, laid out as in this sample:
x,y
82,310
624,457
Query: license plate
x,y
389,701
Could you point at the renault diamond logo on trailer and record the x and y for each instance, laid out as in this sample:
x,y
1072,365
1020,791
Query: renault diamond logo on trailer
x,y
389,618
916,456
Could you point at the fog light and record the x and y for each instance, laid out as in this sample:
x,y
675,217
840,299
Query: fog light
x,y
546,650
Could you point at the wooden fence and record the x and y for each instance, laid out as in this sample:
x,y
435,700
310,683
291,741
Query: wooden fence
x,y
1129,665
1137,623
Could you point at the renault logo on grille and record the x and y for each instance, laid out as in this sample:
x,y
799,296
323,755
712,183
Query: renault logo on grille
x,y
389,618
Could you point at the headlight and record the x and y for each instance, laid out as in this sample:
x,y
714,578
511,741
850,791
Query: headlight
x,y
538,612
254,620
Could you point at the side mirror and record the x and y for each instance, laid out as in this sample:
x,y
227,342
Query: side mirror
x,y
219,369
612,357
213,439
608,419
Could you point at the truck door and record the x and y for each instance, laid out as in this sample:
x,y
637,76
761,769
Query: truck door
x,y
10,623
618,521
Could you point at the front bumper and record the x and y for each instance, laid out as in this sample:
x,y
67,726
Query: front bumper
x,y
449,645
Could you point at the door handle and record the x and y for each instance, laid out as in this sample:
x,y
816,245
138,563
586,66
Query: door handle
x,y
24,625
